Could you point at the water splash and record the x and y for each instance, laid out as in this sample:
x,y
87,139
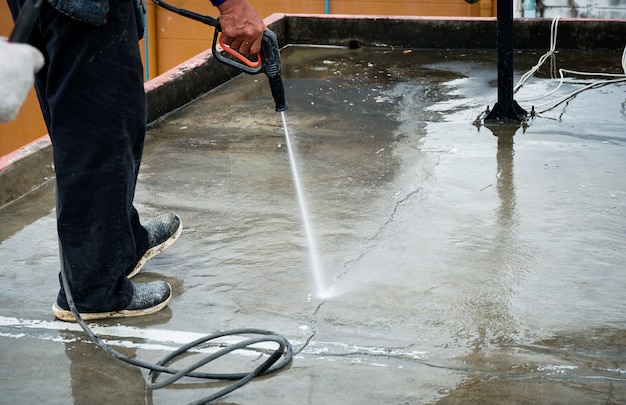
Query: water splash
x,y
316,267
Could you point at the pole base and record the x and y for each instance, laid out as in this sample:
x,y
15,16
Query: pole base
x,y
506,112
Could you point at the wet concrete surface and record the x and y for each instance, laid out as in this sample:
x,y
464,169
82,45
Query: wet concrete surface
x,y
458,267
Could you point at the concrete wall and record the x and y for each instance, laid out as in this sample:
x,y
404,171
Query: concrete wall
x,y
607,9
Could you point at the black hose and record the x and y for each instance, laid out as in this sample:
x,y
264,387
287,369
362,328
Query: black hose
x,y
205,19
25,21
277,360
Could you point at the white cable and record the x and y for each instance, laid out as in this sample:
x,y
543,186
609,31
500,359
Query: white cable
x,y
615,78
574,93
553,35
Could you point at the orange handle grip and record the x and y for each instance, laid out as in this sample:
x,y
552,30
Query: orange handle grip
x,y
242,58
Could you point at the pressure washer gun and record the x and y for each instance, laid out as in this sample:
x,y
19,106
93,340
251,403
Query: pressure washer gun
x,y
267,61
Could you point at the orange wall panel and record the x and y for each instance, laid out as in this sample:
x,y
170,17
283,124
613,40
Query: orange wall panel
x,y
432,8
29,124
265,8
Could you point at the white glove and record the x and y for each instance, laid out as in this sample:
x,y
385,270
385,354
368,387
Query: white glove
x,y
18,65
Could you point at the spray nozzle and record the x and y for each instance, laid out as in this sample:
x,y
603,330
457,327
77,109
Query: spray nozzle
x,y
272,67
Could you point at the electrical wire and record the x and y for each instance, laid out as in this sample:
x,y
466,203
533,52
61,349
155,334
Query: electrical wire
x,y
277,360
561,100
553,35
613,78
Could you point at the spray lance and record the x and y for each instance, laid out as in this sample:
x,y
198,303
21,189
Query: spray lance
x,y
267,60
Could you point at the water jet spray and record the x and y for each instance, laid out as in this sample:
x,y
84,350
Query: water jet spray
x,y
267,62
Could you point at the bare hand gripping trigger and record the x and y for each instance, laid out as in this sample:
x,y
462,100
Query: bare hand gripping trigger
x,y
267,61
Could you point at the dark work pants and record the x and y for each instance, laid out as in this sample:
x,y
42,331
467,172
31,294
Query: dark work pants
x,y
93,101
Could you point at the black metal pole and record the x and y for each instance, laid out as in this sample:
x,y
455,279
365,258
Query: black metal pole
x,y
506,107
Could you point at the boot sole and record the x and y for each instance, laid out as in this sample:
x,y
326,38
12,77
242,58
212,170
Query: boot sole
x,y
68,316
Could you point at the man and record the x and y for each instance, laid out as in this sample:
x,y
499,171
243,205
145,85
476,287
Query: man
x,y
93,101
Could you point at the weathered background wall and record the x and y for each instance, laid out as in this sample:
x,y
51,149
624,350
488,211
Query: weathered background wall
x,y
611,9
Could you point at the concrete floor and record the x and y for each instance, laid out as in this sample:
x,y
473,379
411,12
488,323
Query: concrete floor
x,y
457,267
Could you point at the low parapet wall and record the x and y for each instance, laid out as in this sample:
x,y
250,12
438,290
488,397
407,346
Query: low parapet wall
x,y
450,33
